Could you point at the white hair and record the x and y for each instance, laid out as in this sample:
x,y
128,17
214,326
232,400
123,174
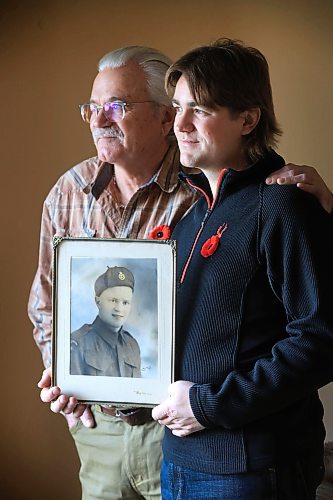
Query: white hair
x,y
154,63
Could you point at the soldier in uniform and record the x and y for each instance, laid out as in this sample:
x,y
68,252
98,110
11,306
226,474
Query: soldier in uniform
x,y
104,347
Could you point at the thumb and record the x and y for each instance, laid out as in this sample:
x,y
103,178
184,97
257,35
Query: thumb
x,y
159,411
163,410
45,380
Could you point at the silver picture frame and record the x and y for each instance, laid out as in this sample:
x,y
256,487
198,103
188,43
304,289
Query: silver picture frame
x,y
92,358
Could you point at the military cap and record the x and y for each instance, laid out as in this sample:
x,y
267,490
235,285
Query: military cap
x,y
114,276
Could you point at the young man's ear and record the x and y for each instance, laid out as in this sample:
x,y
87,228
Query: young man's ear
x,y
98,301
168,117
251,118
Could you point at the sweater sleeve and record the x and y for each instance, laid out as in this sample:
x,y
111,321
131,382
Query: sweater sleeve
x,y
295,243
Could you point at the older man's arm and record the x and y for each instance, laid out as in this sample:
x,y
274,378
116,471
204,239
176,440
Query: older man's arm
x,y
40,313
308,179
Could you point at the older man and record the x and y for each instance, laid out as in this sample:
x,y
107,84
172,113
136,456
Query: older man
x,y
254,329
128,190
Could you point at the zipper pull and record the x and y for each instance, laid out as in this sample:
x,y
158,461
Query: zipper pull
x,y
207,214
210,246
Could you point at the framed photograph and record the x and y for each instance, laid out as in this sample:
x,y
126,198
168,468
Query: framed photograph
x,y
113,320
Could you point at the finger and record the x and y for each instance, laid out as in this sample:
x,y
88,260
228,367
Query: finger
x,y
181,423
181,432
281,174
165,421
48,395
309,188
310,175
70,406
175,427
293,179
59,404
87,418
186,428
298,169
289,170
79,410
275,175
71,420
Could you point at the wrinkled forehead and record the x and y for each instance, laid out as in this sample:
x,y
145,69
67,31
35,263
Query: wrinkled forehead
x,y
128,83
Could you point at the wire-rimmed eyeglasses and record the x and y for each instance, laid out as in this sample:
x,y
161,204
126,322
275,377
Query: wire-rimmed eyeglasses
x,y
113,111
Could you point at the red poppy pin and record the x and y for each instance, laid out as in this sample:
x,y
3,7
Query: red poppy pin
x,y
210,246
161,232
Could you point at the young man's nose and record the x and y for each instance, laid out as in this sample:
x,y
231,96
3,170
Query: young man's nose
x,y
184,122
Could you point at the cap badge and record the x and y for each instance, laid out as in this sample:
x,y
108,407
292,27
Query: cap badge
x,y
121,276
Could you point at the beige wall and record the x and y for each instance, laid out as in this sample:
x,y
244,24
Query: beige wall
x,y
49,50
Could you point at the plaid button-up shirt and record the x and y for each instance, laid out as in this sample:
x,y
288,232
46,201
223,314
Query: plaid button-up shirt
x,y
82,203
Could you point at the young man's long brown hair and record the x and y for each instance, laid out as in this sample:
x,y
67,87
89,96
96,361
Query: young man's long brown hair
x,y
227,73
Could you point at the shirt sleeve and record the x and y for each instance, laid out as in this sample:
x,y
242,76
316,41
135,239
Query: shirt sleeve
x,y
296,246
40,299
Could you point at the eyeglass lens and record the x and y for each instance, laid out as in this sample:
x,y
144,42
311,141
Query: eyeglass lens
x,y
113,111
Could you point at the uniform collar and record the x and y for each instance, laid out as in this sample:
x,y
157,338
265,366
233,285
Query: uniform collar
x,y
107,334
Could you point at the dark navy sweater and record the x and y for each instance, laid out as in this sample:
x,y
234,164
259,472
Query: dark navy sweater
x,y
254,327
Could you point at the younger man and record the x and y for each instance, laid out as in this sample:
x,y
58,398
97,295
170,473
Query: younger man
x,y
254,319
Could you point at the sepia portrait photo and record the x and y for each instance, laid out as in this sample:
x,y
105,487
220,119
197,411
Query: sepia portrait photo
x,y
114,317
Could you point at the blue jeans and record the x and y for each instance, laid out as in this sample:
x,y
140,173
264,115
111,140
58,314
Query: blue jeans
x,y
292,481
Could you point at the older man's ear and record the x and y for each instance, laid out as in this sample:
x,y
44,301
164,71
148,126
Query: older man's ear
x,y
168,117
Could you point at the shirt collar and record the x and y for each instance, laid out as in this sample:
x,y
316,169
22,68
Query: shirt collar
x,y
167,176
103,178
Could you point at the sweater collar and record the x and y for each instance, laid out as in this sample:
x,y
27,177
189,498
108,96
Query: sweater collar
x,y
256,172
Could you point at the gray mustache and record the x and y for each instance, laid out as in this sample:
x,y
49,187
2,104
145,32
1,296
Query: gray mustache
x,y
107,132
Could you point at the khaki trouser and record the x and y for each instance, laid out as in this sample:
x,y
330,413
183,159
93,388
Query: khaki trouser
x,y
119,461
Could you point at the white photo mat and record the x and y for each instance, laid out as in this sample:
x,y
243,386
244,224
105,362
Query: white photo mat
x,y
77,262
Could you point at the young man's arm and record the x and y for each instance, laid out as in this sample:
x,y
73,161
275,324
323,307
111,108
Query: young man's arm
x,y
298,255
